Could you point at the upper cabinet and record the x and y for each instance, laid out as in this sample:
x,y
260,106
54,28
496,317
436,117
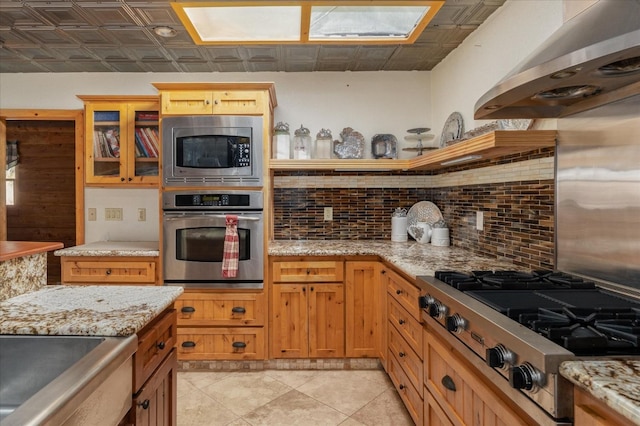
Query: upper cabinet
x,y
122,140
216,98
490,145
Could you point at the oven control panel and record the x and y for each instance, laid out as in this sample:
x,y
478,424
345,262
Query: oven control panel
x,y
203,200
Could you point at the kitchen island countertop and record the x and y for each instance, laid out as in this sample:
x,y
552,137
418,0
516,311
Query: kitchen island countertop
x,y
616,383
410,257
85,310
112,248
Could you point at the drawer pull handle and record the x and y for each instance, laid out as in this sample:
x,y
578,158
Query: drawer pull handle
x,y
401,321
398,292
161,345
238,310
239,345
447,382
108,272
311,288
188,344
384,271
188,310
308,271
402,387
401,354
144,404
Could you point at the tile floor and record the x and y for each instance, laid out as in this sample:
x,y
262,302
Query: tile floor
x,y
289,397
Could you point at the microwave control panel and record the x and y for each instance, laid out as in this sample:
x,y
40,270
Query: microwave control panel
x,y
243,158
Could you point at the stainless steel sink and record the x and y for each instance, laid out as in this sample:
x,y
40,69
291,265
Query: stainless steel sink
x,y
51,379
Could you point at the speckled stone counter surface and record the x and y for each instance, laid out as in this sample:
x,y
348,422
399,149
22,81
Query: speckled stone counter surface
x,y
614,382
411,258
112,248
85,310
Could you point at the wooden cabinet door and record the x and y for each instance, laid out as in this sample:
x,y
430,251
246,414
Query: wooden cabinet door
x,y
289,328
190,102
361,309
155,404
326,320
239,102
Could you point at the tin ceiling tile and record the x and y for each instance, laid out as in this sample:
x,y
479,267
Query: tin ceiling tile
x,y
368,65
300,53
337,53
35,53
112,54
47,36
196,66
332,65
16,38
262,66
231,66
373,53
182,38
19,66
224,53
262,53
156,14
187,54
299,66
125,66
64,14
132,36
74,54
91,37
111,14
147,53
15,15
68,66
159,66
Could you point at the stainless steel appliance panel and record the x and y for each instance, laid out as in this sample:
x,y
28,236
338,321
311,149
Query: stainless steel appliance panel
x,y
598,193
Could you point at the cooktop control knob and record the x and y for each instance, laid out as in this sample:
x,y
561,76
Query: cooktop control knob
x,y
525,377
456,323
499,357
437,309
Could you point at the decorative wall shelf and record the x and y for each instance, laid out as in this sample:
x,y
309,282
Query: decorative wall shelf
x,y
496,144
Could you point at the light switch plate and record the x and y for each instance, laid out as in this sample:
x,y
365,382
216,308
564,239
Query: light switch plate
x,y
92,213
328,213
113,213
479,221
142,214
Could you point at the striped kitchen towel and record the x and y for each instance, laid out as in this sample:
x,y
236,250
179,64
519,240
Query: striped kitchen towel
x,y
231,247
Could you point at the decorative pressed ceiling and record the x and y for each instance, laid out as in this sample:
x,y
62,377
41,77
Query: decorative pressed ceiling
x,y
297,22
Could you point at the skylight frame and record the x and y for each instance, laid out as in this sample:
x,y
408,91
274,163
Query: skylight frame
x,y
184,9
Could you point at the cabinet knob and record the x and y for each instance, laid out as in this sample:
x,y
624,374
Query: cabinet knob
x,y
384,271
239,345
161,345
188,310
215,102
401,321
108,272
311,288
206,102
308,271
144,404
398,292
188,344
402,387
121,179
401,354
238,310
130,179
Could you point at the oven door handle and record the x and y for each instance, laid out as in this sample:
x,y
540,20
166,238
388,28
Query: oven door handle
x,y
240,217
174,216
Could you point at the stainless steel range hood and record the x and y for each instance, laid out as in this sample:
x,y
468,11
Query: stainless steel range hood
x,y
591,60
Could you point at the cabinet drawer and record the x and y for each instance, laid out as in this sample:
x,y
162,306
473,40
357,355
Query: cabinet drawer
x,y
405,293
87,270
153,347
433,414
314,271
407,392
221,309
155,404
452,384
411,363
221,343
407,325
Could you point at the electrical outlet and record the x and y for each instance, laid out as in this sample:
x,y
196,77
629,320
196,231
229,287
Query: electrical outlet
x,y
113,213
328,213
142,214
92,212
479,221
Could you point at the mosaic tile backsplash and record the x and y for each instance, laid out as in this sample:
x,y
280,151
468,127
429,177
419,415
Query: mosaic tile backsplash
x,y
516,198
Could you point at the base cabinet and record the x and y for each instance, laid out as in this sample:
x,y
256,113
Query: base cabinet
x,y
155,374
216,325
361,308
106,270
589,411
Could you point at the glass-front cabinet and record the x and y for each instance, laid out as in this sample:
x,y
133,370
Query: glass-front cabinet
x,y
122,140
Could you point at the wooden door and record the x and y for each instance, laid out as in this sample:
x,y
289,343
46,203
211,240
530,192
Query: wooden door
x,y
289,330
361,284
326,320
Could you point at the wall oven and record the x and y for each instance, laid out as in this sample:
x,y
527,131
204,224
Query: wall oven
x,y
212,150
194,228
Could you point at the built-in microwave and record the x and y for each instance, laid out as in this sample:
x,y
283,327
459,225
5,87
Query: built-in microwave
x,y
212,150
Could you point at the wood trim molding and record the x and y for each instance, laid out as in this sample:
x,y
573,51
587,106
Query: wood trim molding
x,y
3,198
76,116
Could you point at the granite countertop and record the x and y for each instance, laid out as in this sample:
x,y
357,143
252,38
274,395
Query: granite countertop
x,y
614,382
412,258
113,248
85,310
13,249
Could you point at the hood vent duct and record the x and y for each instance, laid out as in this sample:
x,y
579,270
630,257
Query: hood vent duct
x,y
591,59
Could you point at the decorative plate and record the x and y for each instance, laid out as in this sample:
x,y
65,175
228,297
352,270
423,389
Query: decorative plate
x,y
384,146
422,211
452,130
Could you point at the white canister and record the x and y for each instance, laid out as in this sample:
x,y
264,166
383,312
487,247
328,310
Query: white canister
x,y
440,236
399,229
